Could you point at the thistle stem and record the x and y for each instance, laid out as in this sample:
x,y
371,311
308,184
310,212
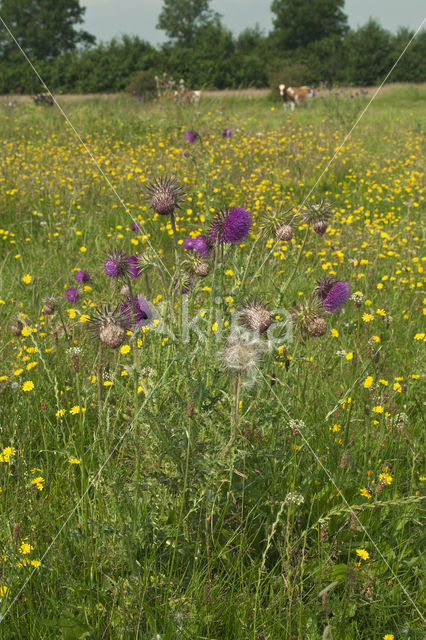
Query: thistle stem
x,y
299,255
235,412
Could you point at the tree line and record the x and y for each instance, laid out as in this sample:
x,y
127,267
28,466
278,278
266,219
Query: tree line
x,y
310,42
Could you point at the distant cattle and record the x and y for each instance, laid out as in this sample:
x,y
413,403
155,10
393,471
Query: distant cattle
x,y
294,96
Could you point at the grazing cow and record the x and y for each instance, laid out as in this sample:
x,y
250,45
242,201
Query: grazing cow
x,y
294,96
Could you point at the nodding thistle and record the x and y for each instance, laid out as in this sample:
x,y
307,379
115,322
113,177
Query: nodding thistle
x,y
109,326
16,327
117,265
196,266
230,226
284,232
49,306
332,293
317,214
165,195
307,317
277,223
254,314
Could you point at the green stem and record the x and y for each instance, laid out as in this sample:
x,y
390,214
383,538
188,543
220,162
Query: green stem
x,y
235,412
299,255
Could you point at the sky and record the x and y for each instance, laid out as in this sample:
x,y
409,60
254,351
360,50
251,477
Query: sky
x,y
108,18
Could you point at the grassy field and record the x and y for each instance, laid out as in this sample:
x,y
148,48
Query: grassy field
x,y
128,510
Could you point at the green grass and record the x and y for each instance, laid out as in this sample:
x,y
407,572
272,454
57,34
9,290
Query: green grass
x,y
160,530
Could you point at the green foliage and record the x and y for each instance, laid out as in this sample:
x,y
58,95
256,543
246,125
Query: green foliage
x,y
183,19
299,23
369,53
43,28
142,83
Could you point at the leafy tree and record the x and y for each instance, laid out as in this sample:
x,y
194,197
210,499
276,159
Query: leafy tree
x,y
299,23
182,19
369,53
43,28
412,66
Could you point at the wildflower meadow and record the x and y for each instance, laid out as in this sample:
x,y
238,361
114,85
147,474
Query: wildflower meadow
x,y
211,374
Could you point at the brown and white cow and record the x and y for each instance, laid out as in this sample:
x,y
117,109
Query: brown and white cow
x,y
294,96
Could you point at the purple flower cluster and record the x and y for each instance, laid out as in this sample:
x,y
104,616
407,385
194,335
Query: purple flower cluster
x,y
71,294
201,244
230,226
332,293
191,136
138,311
82,276
120,265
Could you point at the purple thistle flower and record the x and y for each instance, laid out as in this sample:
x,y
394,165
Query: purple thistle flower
x,y
191,136
83,276
71,294
134,269
117,265
136,227
188,243
230,226
142,314
203,245
227,133
337,296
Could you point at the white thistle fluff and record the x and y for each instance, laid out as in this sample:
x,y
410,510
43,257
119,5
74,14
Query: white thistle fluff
x,y
243,351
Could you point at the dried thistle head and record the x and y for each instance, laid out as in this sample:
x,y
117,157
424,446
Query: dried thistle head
x,y
16,327
255,315
194,264
165,195
49,305
317,214
109,326
277,224
307,317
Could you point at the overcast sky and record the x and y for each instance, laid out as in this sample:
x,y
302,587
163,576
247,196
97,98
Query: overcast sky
x,y
108,18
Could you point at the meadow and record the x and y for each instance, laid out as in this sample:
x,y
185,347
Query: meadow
x,y
243,463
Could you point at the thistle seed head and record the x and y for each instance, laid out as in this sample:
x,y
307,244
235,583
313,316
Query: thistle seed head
x,y
255,315
316,327
243,351
317,214
307,317
165,195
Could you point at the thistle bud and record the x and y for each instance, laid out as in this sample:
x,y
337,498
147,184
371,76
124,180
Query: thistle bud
x,y
16,327
202,269
316,327
49,306
255,315
320,226
112,334
109,326
165,195
284,232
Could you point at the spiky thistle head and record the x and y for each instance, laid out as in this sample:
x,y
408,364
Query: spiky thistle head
x,y
109,325
317,214
255,315
195,265
230,225
116,264
138,311
307,317
16,327
333,293
164,195
277,223
323,287
49,305
243,351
